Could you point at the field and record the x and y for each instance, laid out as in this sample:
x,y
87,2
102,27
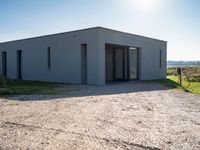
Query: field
x,y
190,79
193,87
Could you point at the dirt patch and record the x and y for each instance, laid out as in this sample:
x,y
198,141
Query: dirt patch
x,y
141,116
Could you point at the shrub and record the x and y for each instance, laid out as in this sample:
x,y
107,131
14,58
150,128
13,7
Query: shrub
x,y
195,78
172,71
191,73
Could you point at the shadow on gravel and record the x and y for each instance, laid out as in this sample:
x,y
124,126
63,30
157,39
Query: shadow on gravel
x,y
89,90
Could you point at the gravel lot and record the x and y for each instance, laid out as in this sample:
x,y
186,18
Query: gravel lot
x,y
136,115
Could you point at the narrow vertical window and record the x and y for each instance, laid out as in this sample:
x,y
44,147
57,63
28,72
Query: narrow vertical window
x,y
19,64
4,64
84,63
160,59
49,57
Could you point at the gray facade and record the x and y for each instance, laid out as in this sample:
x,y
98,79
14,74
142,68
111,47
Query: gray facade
x,y
88,56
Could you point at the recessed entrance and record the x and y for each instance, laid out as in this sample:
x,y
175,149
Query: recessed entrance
x,y
122,63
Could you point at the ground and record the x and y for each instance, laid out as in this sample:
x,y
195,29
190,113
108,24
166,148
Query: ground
x,y
134,115
192,87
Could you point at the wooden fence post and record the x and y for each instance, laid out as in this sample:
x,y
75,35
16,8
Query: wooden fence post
x,y
181,78
179,71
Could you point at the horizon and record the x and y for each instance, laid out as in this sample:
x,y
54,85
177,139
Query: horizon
x,y
185,60
176,22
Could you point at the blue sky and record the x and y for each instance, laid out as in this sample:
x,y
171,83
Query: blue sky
x,y
176,21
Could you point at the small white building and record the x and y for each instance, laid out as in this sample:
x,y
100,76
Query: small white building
x,y
89,56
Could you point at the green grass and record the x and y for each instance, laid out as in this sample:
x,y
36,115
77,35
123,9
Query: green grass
x,y
16,87
194,87
173,82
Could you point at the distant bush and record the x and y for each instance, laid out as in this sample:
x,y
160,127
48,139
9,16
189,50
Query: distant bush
x,y
191,73
172,71
195,78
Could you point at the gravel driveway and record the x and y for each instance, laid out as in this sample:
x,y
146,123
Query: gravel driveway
x,y
135,115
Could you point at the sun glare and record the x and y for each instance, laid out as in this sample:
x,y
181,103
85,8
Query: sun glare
x,y
144,5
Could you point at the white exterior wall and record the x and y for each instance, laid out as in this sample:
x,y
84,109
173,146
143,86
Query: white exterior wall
x,y
149,63
66,56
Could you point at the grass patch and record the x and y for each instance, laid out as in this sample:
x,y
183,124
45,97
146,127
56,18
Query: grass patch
x,y
192,73
194,87
17,87
173,81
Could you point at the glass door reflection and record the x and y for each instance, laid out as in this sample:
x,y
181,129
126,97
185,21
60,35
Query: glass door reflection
x,y
133,63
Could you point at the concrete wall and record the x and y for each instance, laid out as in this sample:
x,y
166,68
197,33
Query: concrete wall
x,y
66,56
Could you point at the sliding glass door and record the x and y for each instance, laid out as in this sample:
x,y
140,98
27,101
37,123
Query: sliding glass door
x,y
131,56
118,64
122,63
133,68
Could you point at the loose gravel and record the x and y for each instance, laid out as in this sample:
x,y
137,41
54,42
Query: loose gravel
x,y
134,115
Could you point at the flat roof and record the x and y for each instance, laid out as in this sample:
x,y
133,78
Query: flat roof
x,y
81,30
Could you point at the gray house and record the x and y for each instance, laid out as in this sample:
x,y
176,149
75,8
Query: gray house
x,y
89,56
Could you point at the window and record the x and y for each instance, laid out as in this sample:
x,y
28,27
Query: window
x,y
4,64
84,63
160,59
19,64
49,57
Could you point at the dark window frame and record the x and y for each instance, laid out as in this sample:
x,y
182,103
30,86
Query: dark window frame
x,y
49,58
160,58
19,64
84,61
4,62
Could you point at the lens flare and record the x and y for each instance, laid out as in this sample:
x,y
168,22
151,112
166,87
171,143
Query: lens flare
x,y
144,5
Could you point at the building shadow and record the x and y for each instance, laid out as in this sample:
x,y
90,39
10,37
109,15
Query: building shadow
x,y
90,90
